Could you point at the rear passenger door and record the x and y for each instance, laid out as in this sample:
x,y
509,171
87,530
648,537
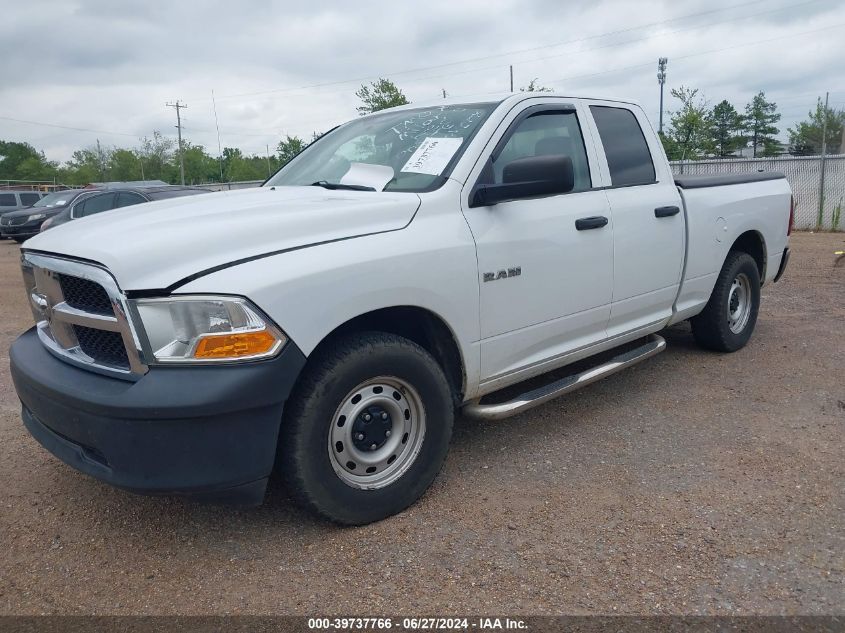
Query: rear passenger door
x,y
648,222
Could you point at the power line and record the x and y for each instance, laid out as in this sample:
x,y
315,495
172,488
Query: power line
x,y
710,52
66,127
507,53
630,41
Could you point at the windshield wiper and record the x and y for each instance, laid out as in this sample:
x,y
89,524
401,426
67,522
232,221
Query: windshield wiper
x,y
332,185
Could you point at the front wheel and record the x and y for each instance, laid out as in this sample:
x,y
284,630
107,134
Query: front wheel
x,y
367,428
728,319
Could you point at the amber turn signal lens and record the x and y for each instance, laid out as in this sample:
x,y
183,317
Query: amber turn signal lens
x,y
235,345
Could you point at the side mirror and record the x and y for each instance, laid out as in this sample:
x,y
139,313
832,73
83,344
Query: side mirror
x,y
528,178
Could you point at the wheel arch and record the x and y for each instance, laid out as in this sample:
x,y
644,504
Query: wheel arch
x,y
753,243
420,325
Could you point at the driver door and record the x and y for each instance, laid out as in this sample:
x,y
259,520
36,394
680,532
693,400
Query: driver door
x,y
545,284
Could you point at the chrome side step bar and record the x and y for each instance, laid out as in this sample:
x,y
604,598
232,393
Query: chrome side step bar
x,y
540,395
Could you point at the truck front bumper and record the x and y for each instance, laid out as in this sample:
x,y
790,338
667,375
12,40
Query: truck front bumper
x,y
205,431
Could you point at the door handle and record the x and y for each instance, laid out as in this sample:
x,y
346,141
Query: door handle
x,y
665,212
593,222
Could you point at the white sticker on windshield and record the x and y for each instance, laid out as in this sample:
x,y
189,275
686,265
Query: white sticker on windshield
x,y
375,176
433,155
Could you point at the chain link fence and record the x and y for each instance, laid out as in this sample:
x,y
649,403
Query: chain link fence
x,y
804,176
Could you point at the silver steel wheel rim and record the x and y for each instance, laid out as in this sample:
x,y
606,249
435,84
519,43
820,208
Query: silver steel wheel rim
x,y
739,303
397,438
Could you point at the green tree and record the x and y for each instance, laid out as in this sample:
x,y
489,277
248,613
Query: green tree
x,y
157,158
236,166
124,165
85,166
379,95
805,138
21,161
199,165
289,147
688,134
759,125
725,127
533,86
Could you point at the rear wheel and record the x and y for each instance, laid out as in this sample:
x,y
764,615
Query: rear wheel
x,y
367,428
728,320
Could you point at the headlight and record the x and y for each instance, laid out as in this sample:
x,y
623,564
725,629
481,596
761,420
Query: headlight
x,y
201,329
36,216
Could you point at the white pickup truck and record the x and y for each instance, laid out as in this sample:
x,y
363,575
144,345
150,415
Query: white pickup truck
x,y
408,264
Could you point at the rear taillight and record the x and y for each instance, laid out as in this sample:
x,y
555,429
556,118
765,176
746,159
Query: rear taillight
x,y
791,215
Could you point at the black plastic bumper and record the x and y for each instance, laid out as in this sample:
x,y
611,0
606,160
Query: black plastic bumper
x,y
203,431
782,268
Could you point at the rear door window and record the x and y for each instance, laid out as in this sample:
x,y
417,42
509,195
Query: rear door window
x,y
628,156
28,199
8,200
127,199
94,204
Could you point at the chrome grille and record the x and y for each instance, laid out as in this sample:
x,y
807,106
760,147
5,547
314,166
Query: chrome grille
x,y
16,221
84,294
81,315
103,346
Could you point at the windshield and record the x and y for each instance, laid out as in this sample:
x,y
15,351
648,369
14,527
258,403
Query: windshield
x,y
58,199
409,150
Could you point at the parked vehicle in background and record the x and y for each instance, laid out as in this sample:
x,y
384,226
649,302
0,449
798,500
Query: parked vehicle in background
x,y
14,200
98,201
408,263
23,224
127,184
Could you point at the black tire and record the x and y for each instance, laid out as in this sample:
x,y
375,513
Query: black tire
x,y
326,382
711,328
20,240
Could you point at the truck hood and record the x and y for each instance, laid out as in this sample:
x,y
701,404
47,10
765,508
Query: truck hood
x,y
156,245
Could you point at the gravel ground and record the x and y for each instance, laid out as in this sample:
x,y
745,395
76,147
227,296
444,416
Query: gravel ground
x,y
694,483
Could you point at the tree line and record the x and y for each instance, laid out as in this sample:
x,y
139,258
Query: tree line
x,y
695,131
157,157
698,131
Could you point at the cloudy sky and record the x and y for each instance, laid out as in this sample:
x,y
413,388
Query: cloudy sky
x,y
280,67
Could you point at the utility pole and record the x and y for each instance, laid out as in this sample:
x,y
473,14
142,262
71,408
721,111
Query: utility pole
x,y
820,217
511,78
269,173
100,162
661,79
178,107
217,125
444,93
